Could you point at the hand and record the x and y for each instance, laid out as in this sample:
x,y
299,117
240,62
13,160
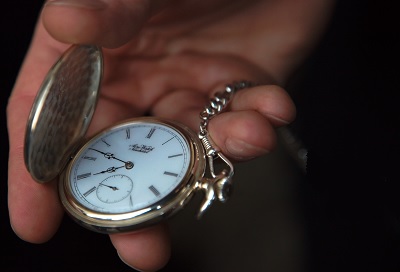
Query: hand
x,y
170,57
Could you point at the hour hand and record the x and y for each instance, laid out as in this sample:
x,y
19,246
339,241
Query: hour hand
x,y
109,170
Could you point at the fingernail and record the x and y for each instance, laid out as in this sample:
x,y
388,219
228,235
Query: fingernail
x,y
243,150
280,121
86,4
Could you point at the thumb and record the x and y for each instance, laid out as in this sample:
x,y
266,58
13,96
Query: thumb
x,y
108,23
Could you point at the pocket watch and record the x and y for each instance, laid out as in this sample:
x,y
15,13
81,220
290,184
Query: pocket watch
x,y
130,175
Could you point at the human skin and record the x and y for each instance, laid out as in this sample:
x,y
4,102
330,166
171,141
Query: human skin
x,y
158,54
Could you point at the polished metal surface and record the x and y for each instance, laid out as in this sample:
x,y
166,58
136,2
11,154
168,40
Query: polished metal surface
x,y
62,111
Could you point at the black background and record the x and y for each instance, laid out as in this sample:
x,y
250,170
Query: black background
x,y
348,102
348,118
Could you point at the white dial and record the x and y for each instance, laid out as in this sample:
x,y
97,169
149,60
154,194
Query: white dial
x,y
130,167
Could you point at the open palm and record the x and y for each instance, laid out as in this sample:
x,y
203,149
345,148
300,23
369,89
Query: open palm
x,y
167,60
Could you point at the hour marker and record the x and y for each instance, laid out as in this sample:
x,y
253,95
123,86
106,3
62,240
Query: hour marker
x,y
170,174
130,201
128,133
154,190
89,191
89,158
82,176
173,156
168,141
105,142
150,133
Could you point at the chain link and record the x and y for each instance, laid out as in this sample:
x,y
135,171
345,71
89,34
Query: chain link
x,y
219,102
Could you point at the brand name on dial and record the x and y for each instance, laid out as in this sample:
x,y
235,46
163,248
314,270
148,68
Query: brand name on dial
x,y
141,148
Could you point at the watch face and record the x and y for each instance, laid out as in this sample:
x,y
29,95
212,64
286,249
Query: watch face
x,y
130,167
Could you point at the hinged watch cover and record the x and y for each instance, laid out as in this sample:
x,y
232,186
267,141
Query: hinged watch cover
x,y
62,111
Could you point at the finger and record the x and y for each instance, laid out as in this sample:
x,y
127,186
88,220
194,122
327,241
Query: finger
x,y
105,23
247,129
242,135
271,101
35,211
145,250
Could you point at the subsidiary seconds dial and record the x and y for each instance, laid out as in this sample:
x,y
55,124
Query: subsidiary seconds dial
x,y
115,188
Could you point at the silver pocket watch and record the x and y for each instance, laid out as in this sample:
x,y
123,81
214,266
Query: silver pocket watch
x,y
130,175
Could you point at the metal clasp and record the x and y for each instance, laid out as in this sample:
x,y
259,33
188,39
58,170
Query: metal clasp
x,y
218,185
